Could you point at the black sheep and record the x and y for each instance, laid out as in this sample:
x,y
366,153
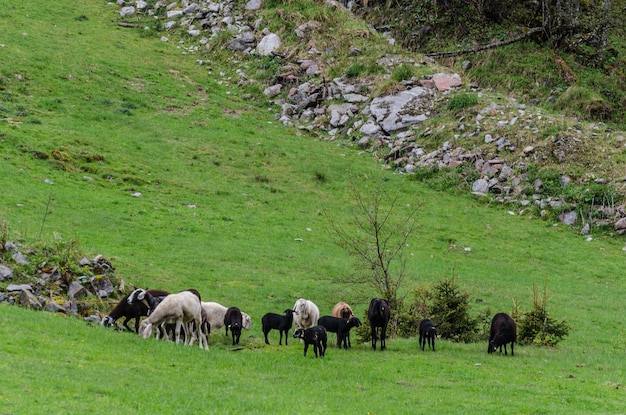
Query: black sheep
x,y
428,332
341,326
378,315
316,336
130,311
234,320
503,331
276,321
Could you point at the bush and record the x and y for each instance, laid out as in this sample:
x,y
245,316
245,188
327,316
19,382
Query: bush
x,y
402,72
461,101
447,306
450,312
355,70
536,327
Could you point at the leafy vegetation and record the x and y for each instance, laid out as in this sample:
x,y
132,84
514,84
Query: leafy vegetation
x,y
536,326
461,101
450,310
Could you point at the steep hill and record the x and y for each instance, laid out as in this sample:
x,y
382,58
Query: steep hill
x,y
330,74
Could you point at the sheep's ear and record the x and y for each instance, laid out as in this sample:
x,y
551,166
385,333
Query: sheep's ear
x,y
141,295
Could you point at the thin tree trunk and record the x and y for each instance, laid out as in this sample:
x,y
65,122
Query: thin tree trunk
x,y
494,45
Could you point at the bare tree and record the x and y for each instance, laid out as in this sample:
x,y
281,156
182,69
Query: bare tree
x,y
376,237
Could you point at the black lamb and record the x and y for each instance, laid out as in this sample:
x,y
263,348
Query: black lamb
x,y
282,323
503,331
341,326
428,332
316,336
233,320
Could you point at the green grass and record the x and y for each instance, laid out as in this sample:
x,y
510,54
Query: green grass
x,y
227,194
72,367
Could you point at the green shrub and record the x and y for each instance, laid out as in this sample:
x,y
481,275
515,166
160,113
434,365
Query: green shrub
x,y
355,70
402,72
449,308
461,101
536,327
450,312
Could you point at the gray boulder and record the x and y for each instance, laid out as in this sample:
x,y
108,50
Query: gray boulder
x,y
5,272
30,300
102,286
127,11
268,44
620,226
395,112
480,187
12,288
568,218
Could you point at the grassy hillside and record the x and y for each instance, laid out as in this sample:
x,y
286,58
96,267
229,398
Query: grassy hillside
x,y
129,148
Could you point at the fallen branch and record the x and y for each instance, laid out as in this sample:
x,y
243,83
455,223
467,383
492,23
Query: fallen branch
x,y
498,44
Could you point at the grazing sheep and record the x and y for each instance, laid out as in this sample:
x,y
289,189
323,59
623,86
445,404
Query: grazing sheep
x,y
428,332
342,310
378,315
341,326
306,313
146,297
141,296
316,336
247,321
180,309
215,313
234,320
129,311
503,331
282,323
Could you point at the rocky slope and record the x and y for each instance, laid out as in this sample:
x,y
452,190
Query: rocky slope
x,y
492,143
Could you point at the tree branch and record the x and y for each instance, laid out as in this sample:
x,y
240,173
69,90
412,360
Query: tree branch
x,y
493,45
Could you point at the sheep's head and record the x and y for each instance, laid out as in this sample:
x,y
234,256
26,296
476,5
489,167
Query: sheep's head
x,y
107,321
346,312
145,329
247,321
299,306
355,322
137,295
298,333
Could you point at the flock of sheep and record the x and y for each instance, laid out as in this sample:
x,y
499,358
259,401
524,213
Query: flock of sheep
x,y
185,318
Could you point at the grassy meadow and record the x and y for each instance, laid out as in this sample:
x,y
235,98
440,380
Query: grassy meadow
x,y
126,146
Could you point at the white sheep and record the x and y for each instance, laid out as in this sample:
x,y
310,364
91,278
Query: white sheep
x,y
179,309
305,313
216,312
247,321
